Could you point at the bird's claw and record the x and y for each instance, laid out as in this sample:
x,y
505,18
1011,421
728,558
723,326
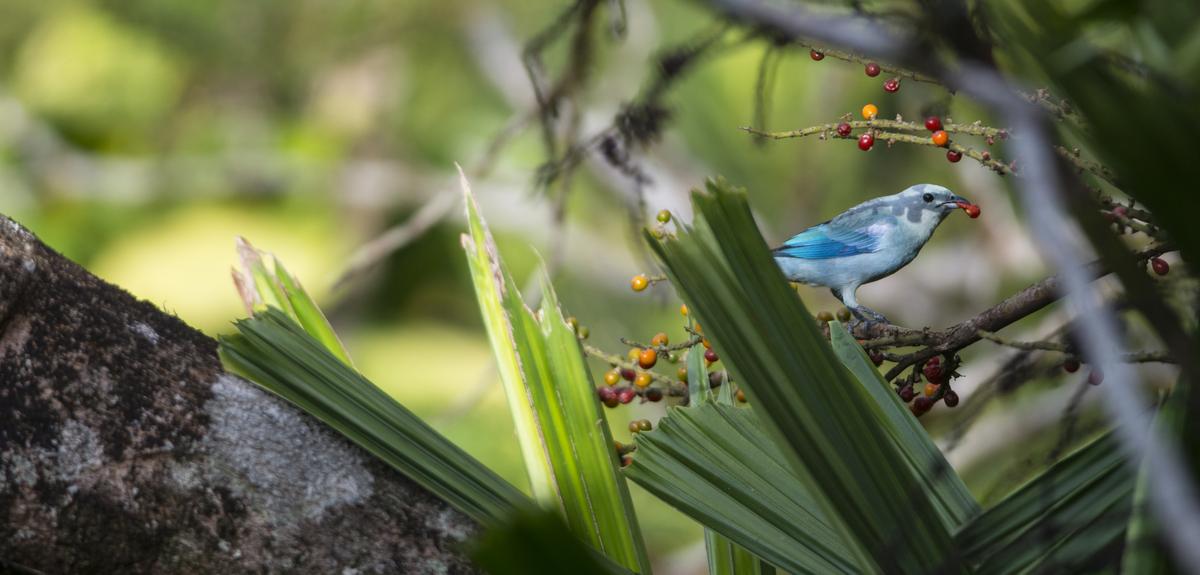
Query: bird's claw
x,y
867,320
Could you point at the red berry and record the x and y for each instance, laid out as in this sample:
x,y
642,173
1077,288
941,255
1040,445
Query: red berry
x,y
626,394
872,69
876,357
933,370
892,85
626,460
953,156
654,394
865,142
816,56
933,123
951,399
921,405
843,129
710,356
1096,377
906,393
1071,365
628,374
1161,267
1120,211
606,393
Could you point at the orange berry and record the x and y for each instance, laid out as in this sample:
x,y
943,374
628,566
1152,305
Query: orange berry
x,y
642,380
940,138
741,396
639,282
706,344
681,374
931,389
612,376
660,339
647,358
870,111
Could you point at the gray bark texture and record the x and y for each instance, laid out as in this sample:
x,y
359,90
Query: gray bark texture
x,y
125,448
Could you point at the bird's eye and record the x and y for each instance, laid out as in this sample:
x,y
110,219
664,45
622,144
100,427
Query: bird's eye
x,y
928,198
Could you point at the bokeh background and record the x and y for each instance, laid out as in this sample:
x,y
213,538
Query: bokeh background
x,y
139,137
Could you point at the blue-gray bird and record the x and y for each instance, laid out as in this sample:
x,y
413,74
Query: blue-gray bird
x,y
868,242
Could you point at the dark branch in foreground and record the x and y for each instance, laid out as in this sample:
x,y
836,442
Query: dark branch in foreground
x,y
954,338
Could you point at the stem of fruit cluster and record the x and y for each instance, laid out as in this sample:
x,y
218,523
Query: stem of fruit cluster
x,y
1147,356
673,387
662,349
884,68
982,156
975,129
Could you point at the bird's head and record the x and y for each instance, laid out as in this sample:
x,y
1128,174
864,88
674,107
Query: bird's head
x,y
922,200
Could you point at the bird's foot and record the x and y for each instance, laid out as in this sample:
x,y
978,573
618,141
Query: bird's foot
x,y
867,320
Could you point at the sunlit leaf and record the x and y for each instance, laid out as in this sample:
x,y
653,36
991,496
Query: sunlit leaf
x,y
564,436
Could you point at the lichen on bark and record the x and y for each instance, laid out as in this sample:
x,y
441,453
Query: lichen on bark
x,y
124,447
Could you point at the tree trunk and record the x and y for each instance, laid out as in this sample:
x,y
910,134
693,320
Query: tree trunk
x,y
125,448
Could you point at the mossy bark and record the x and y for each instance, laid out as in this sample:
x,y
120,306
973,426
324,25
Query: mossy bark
x,y
125,448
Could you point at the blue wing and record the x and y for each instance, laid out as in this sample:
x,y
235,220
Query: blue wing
x,y
826,241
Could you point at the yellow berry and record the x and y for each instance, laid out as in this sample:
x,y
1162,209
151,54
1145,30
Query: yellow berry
x,y
642,380
683,309
634,427
639,282
634,354
824,317
612,377
931,389
681,374
660,339
870,111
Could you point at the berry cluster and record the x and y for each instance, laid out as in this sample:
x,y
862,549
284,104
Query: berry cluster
x,y
937,387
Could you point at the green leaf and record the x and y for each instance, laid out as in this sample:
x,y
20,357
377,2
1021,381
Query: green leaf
x,y
828,427
1063,517
271,350
710,462
728,558
697,374
564,435
537,541
1144,549
308,314
953,500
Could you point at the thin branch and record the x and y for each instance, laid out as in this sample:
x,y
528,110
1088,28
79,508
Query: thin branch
x,y
1147,356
